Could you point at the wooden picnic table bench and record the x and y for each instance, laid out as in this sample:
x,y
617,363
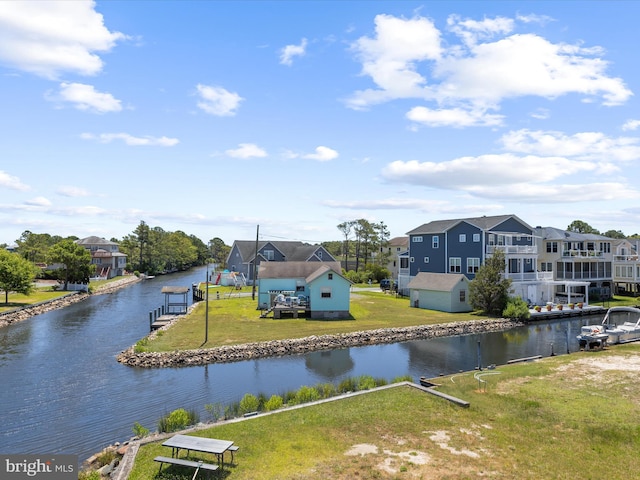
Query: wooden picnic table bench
x,y
186,463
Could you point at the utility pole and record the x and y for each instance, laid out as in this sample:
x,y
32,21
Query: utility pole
x,y
206,301
255,266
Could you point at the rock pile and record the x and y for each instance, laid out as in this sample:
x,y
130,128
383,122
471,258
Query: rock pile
x,y
276,348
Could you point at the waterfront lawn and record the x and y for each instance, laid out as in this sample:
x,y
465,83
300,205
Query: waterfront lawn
x,y
236,320
17,300
557,418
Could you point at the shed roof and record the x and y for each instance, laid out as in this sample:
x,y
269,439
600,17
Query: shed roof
x,y
439,282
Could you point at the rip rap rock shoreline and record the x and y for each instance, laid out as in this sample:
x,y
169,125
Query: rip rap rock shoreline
x,y
296,346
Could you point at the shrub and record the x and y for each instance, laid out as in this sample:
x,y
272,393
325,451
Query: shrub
x,y
274,403
347,385
366,382
326,390
306,394
516,309
403,378
214,410
139,431
249,403
177,420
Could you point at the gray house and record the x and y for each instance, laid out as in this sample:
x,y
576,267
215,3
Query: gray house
x,y
242,257
440,291
105,255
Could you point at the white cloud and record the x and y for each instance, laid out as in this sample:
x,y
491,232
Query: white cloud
x,y
322,154
631,125
69,191
406,59
12,182
290,51
553,194
48,38
131,140
247,150
453,117
38,202
466,173
218,101
86,98
584,145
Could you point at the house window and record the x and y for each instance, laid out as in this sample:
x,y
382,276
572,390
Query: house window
x,y
412,259
319,254
455,265
325,292
268,254
546,266
426,259
605,247
463,296
473,264
404,262
416,239
330,275
476,237
552,247
435,242
462,238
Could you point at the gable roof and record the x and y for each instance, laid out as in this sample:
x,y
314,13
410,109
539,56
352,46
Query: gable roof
x,y
484,223
552,233
291,250
93,240
296,269
439,282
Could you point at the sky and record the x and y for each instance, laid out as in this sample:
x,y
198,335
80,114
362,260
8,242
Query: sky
x,y
228,118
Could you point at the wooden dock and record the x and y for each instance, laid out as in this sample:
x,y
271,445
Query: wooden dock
x,y
161,321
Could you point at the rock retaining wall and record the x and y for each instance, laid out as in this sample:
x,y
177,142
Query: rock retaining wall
x,y
23,313
276,348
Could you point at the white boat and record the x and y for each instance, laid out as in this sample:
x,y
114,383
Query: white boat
x,y
622,324
592,337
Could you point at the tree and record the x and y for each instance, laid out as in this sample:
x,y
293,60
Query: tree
x,y
76,261
614,234
35,246
579,226
16,274
489,290
219,251
345,228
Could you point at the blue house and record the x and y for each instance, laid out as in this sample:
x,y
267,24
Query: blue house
x,y
243,257
461,246
317,288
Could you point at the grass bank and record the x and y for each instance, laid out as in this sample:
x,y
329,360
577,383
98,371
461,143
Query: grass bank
x,y
563,417
236,320
18,300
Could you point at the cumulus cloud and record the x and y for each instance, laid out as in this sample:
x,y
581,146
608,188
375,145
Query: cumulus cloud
x,y
290,51
12,182
407,59
453,117
218,101
631,125
322,154
583,145
247,150
86,98
131,140
52,37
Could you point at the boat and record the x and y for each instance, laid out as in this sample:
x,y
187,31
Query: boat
x,y
592,337
622,324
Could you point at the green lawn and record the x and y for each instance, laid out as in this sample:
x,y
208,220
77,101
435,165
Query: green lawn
x,y
17,300
563,417
236,320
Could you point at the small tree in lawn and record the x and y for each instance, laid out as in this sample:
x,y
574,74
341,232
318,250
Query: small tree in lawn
x,y
76,261
489,290
16,274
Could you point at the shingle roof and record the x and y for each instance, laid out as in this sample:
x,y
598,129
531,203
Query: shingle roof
x,y
484,223
295,269
552,233
292,250
93,240
439,282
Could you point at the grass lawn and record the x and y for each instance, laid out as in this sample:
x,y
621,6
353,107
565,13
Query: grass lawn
x,y
17,300
563,417
236,320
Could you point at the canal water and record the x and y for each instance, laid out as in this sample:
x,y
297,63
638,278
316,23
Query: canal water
x,y
62,391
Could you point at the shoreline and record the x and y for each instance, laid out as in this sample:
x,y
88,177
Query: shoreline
x,y
23,313
297,346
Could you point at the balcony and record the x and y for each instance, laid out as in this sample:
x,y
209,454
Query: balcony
x,y
582,254
513,249
529,276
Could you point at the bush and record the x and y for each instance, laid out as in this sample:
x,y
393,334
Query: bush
x,y
516,309
249,403
139,431
326,390
274,403
177,420
347,385
306,394
214,410
366,382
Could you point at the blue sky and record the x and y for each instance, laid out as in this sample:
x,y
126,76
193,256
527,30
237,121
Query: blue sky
x,y
213,117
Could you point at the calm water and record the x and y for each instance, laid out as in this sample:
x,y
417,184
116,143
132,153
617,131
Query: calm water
x,y
62,390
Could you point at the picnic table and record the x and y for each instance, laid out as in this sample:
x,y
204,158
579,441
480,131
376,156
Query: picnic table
x,y
200,444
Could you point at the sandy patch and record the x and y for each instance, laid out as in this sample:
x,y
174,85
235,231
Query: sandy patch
x,y
442,438
362,450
